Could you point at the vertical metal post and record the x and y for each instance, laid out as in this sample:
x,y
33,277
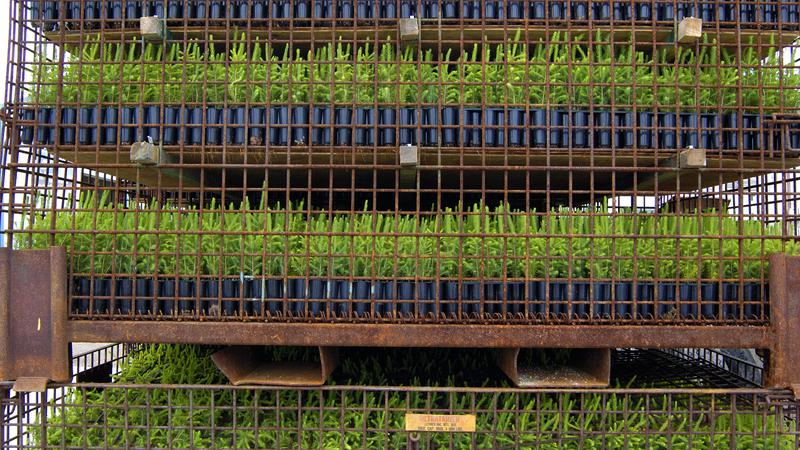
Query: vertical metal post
x,y
784,301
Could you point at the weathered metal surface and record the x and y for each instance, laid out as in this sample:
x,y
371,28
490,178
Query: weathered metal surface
x,y
585,368
249,365
33,316
414,335
783,357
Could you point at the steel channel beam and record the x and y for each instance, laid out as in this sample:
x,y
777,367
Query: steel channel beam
x,y
416,335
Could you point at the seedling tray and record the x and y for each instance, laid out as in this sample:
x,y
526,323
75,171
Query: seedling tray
x,y
389,127
555,299
301,12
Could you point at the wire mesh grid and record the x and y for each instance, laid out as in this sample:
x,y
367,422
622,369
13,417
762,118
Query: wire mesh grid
x,y
703,410
534,170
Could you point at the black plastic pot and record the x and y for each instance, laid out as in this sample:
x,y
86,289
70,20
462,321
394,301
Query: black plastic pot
x,y
83,288
602,133
296,291
666,11
194,129
494,296
212,126
689,135
143,295
186,292
174,9
645,293
405,298
471,9
344,10
388,9
448,292
45,133
709,135
68,122
339,293
579,10
555,128
725,12
601,300
321,132
385,305
172,130
731,132
302,10
747,12
644,132
362,290
516,127
536,298
260,10
386,121
124,295
559,292
602,10
667,132
581,294
644,10
299,126
665,297
622,300
321,9
556,10
364,129
256,131
472,127
471,293
687,302
317,293
215,9
624,131
230,296
343,133
87,134
210,301
495,120
622,11
536,10
516,10
26,132
427,301
132,10
450,9
274,293
752,301
152,118
408,126
279,125
430,122
580,129
769,13
408,8
200,11
450,126
236,123
166,297
709,300
364,9
109,130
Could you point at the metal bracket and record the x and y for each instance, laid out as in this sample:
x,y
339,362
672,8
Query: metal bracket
x,y
689,30
587,367
33,318
246,365
691,158
410,30
148,154
153,28
409,163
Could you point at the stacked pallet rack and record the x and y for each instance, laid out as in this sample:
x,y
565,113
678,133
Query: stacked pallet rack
x,y
391,173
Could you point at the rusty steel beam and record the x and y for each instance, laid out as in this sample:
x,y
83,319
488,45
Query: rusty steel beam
x,y
416,335
784,359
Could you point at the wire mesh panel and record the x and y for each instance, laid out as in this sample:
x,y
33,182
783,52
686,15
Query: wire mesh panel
x,y
550,163
701,408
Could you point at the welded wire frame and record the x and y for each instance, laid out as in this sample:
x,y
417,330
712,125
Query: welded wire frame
x,y
369,417
582,170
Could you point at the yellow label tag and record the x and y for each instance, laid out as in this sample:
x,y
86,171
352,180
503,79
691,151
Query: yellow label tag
x,y
443,423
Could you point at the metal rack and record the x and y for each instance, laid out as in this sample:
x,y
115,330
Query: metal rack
x,y
115,133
